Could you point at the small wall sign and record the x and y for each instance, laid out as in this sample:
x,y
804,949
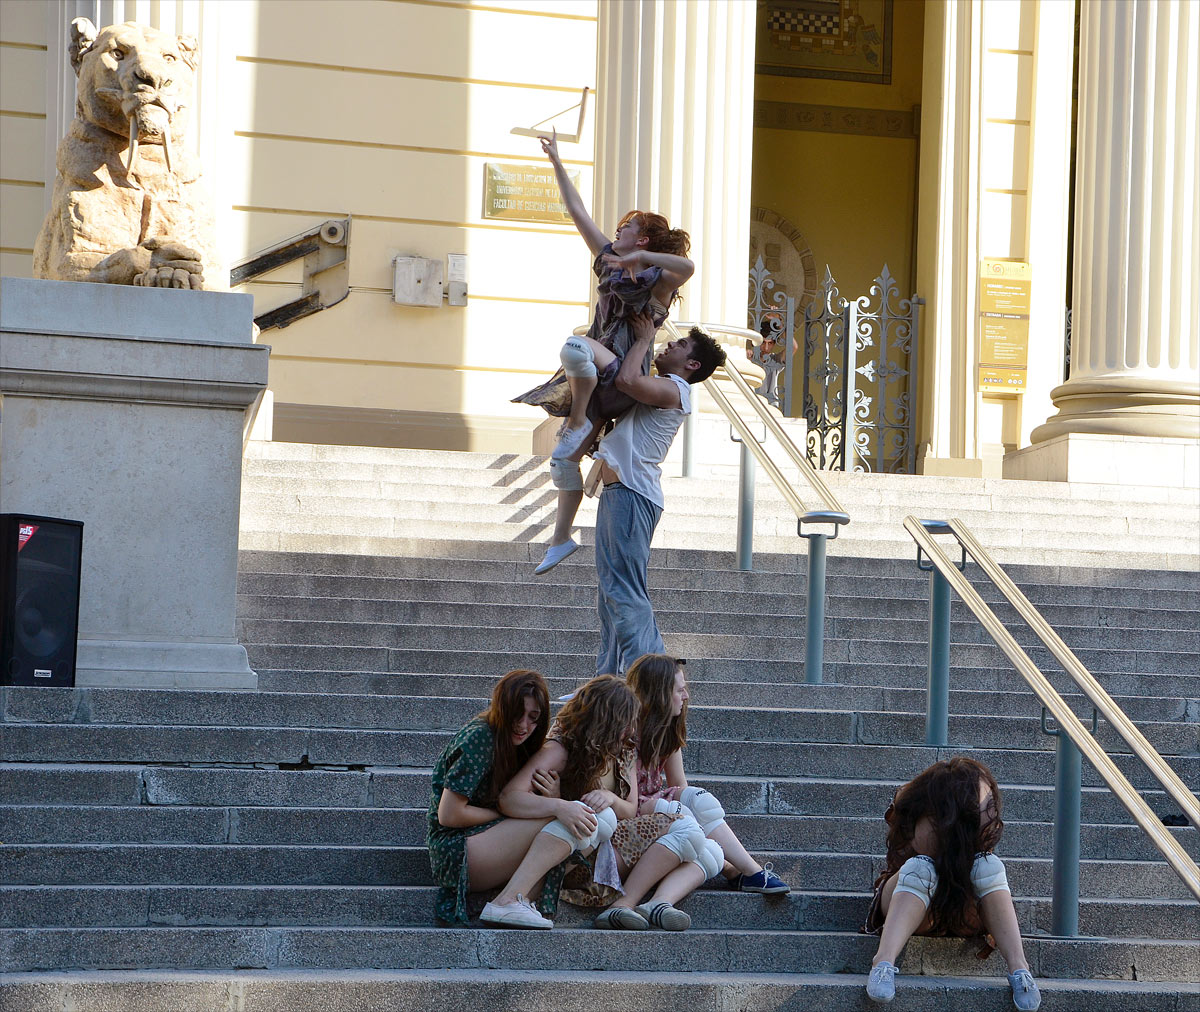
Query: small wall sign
x,y
519,192
1003,325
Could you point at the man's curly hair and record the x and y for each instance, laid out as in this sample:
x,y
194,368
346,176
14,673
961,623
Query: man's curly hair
x,y
707,352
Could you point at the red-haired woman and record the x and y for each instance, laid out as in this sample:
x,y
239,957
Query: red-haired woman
x,y
640,271
941,877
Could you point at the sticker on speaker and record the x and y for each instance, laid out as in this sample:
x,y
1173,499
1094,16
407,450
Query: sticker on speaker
x,y
42,673
24,533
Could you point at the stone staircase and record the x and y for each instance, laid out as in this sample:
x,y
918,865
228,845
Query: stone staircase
x,y
264,851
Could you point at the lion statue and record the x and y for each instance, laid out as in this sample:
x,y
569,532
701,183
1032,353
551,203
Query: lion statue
x,y
128,207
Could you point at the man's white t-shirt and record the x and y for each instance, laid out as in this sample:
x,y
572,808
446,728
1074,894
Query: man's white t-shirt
x,y
639,443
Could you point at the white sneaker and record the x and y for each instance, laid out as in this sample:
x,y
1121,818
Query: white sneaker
x,y
555,554
1025,991
881,984
570,440
520,914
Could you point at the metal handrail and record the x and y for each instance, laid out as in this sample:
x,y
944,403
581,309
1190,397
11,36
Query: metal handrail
x,y
828,499
1179,860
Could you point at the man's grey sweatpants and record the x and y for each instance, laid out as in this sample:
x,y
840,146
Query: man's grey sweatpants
x,y
625,523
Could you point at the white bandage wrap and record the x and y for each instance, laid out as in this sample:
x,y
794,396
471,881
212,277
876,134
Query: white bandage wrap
x,y
577,358
686,841
706,809
606,822
988,875
918,876
566,475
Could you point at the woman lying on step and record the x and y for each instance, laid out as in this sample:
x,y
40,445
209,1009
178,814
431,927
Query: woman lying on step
x,y
941,877
588,757
658,682
472,846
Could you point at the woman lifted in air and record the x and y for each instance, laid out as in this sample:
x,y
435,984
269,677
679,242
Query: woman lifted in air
x,y
640,271
941,877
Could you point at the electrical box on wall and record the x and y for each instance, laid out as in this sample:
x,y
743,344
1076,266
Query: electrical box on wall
x,y
416,281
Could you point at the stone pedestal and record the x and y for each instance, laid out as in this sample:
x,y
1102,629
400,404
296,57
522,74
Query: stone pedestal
x,y
1135,355
1109,460
125,408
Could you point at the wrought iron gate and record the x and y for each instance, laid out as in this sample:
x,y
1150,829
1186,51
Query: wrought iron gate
x,y
859,385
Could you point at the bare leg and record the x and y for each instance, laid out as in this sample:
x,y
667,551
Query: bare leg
x,y
568,501
679,884
1000,918
652,867
903,916
581,393
544,853
494,854
737,859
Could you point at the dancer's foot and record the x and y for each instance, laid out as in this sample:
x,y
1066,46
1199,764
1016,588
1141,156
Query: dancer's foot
x,y
555,554
570,441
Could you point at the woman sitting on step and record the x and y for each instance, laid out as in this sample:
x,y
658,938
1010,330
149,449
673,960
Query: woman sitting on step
x,y
658,682
472,846
941,877
588,755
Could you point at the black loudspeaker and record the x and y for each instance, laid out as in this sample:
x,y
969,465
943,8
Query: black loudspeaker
x,y
39,599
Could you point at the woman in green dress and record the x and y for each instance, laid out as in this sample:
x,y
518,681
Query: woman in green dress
x,y
471,845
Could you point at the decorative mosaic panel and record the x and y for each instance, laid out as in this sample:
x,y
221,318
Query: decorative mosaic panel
x,y
844,40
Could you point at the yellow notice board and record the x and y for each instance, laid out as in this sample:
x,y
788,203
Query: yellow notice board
x,y
1003,325
520,192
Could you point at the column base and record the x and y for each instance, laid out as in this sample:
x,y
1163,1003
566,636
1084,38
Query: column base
x,y
163,665
1109,460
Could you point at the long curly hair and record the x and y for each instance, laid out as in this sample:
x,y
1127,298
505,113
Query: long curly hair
x,y
663,238
652,679
948,794
594,726
506,708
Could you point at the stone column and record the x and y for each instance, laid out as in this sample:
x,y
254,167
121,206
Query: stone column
x,y
1132,403
674,130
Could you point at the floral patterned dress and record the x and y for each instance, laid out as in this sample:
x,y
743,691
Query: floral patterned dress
x,y
465,767
619,299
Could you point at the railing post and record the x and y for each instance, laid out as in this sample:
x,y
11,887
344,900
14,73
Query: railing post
x,y
814,630
1068,788
689,443
747,472
937,683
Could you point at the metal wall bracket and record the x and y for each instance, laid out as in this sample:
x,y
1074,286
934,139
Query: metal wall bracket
x,y
326,275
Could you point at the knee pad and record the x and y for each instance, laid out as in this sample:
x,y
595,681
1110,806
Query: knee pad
x,y
988,875
566,475
606,822
706,809
919,877
577,358
711,858
684,839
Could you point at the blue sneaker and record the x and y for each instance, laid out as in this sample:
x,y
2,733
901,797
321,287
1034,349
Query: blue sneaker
x,y
765,881
1026,995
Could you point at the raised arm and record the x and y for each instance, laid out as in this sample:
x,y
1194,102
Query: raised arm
x,y
657,391
592,234
675,269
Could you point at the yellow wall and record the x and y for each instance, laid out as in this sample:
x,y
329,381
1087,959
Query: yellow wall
x,y
388,111
22,131
851,195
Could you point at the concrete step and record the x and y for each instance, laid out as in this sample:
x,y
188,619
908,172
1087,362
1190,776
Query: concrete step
x,y
411,906
1095,554
267,712
366,670
52,784
845,597
565,991
29,949
742,617
319,865
704,692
